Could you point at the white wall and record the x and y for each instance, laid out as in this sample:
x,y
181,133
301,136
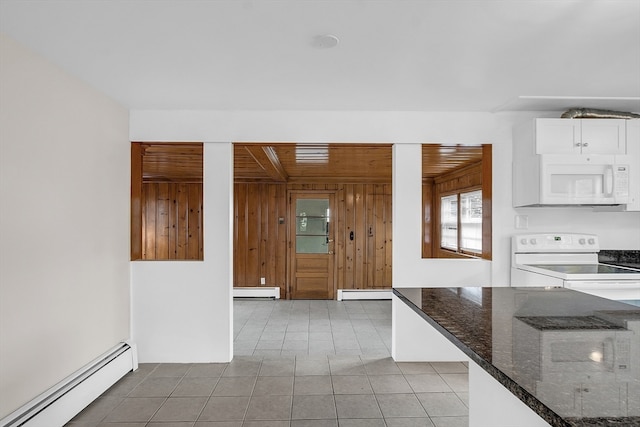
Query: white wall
x,y
182,310
64,222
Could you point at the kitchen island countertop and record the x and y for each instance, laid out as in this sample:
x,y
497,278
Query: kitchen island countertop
x,y
573,358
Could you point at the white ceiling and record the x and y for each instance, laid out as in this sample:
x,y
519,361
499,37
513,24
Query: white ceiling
x,y
428,55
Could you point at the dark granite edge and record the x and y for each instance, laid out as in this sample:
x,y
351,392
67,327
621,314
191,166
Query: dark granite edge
x,y
523,395
606,422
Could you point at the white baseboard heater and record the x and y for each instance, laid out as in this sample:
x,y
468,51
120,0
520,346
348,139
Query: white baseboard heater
x,y
256,292
65,400
363,294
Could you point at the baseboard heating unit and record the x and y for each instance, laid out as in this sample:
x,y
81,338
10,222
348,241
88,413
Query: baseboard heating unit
x,y
256,292
65,400
363,294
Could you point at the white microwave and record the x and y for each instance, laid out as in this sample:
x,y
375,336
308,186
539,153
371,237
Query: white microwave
x,y
564,354
583,180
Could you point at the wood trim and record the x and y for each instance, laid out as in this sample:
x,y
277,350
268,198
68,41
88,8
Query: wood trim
x,y
487,201
339,180
136,201
268,160
428,216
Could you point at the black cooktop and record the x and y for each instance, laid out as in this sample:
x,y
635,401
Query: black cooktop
x,y
586,269
550,323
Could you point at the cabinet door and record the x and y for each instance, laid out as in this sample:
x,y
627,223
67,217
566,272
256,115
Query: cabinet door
x,y
603,136
564,398
558,136
604,400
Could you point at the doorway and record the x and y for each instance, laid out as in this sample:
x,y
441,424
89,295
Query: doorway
x,y
311,245
268,181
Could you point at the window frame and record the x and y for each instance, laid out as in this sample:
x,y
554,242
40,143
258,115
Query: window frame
x,y
459,250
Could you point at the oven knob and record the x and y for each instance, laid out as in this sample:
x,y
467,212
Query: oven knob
x,y
582,241
592,241
533,241
523,241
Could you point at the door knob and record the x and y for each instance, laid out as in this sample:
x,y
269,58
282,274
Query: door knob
x,y
330,252
330,240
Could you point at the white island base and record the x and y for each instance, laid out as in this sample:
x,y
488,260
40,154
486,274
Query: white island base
x,y
490,403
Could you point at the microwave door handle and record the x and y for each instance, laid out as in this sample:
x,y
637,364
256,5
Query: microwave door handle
x,y
609,354
608,181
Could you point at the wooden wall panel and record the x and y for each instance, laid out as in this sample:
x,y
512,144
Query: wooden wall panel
x,y
162,221
259,246
340,243
172,221
182,215
195,237
388,235
252,228
348,211
136,202
240,241
150,198
260,239
360,280
487,197
427,218
365,261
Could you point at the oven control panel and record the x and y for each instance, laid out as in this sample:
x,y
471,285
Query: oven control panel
x,y
560,242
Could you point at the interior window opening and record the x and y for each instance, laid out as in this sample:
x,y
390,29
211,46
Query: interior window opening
x,y
456,201
167,201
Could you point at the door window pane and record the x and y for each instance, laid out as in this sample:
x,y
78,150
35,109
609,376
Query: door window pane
x,y
312,226
449,222
471,221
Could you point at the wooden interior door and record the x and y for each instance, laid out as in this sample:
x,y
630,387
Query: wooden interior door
x,y
311,246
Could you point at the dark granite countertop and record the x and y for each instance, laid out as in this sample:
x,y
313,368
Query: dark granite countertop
x,y
571,357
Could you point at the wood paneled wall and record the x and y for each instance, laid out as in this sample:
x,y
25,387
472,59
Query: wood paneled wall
x,y
260,239
260,236
172,221
365,261
427,218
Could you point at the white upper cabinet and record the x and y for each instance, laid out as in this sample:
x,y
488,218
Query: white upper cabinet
x,y
580,136
606,136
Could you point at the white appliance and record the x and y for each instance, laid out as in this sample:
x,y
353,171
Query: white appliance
x,y
573,348
570,261
577,162
599,181
577,180
583,365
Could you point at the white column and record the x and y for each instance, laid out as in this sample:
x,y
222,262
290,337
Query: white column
x,y
491,404
415,340
182,311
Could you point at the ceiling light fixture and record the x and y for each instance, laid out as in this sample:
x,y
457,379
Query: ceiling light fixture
x,y
325,41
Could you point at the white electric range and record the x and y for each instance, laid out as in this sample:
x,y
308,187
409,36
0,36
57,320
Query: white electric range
x,y
570,261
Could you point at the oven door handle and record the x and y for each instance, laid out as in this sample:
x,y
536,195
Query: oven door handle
x,y
609,354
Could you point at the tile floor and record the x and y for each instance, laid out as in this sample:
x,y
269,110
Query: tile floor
x,y
296,364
